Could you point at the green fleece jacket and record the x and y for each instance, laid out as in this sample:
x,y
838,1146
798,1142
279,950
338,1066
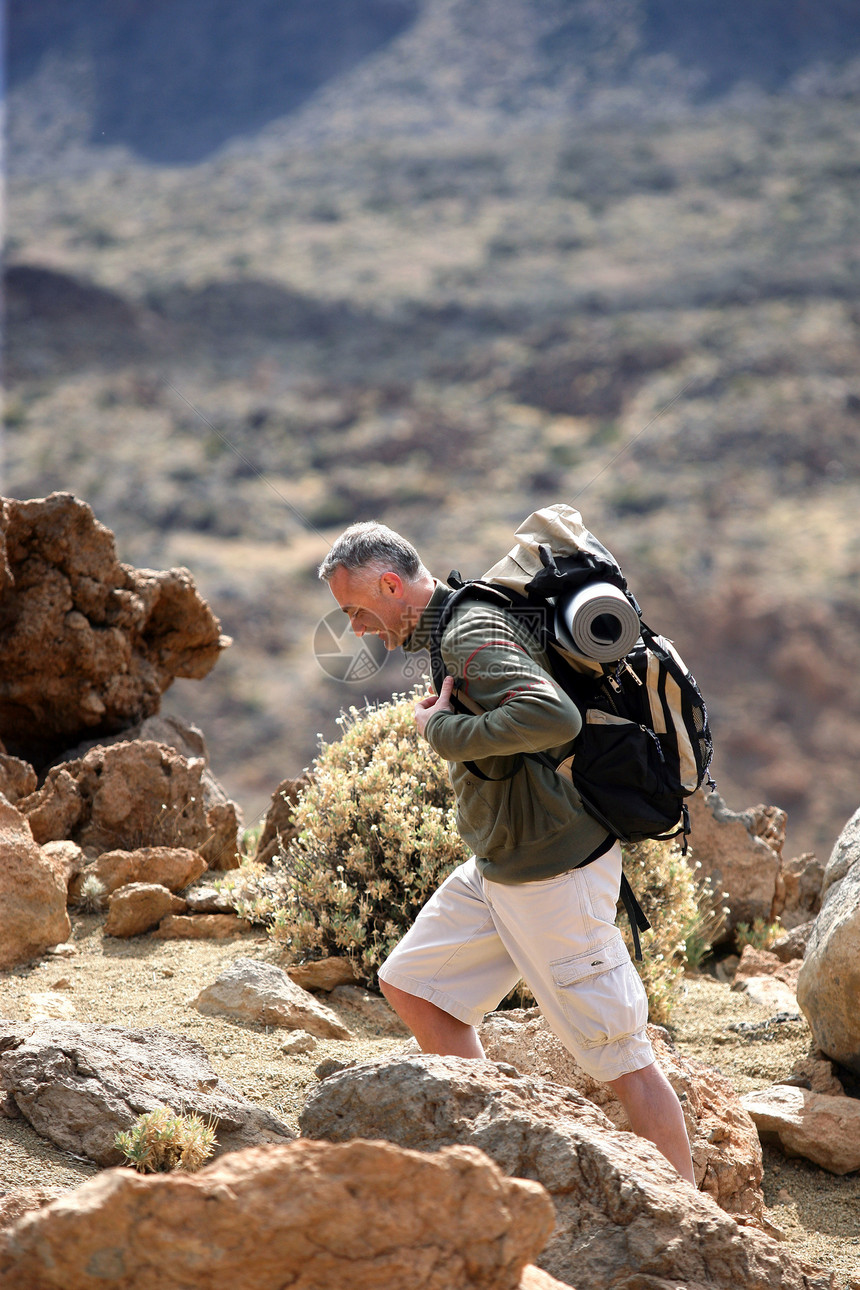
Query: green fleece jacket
x,y
531,825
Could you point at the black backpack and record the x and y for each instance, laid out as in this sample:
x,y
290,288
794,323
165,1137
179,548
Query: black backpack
x,y
645,742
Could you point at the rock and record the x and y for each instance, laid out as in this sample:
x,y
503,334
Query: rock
x,y
797,897
78,1085
45,1005
66,859
310,1215
186,738
68,950
372,1007
220,850
23,1200
219,841
171,867
250,990
793,944
322,974
759,963
816,1126
201,927
299,1041
828,985
89,644
32,893
772,994
278,827
17,778
126,796
623,1215
206,899
535,1278
740,853
724,1144
815,1072
138,907
845,854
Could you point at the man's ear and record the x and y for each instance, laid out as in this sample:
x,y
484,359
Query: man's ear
x,y
391,584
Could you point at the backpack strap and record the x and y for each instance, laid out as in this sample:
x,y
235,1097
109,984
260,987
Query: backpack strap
x,y
488,594
636,914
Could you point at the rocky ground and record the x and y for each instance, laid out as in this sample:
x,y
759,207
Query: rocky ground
x,y
146,982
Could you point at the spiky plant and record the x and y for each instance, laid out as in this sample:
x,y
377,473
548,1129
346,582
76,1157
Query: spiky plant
x,y
162,1141
92,895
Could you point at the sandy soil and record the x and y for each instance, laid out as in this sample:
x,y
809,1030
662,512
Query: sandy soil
x,y
144,982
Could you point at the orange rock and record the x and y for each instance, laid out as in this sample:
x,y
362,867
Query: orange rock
x,y
311,1215
139,906
171,867
32,894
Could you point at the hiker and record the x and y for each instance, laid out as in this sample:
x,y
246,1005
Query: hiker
x,y
538,898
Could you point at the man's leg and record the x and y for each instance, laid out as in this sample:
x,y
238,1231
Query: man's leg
x,y
561,934
450,968
436,1031
655,1113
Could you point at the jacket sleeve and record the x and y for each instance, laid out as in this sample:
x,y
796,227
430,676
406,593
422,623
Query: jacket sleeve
x,y
525,710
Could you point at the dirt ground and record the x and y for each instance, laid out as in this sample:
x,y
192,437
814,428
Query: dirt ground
x,y
144,982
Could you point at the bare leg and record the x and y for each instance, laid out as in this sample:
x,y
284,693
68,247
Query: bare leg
x,y
436,1031
655,1113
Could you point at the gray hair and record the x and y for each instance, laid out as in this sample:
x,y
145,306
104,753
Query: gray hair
x,y
370,544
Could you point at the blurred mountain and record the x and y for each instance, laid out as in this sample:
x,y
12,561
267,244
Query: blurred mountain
x,y
274,268
172,81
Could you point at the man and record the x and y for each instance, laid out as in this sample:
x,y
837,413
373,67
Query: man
x,y
537,900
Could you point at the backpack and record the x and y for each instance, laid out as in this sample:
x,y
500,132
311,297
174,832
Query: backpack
x,y
645,742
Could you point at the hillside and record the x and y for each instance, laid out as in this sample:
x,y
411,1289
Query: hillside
x,y
492,261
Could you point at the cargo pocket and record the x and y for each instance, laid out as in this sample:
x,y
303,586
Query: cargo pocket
x,y
601,994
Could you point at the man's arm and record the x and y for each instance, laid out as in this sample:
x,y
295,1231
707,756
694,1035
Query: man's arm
x,y
524,709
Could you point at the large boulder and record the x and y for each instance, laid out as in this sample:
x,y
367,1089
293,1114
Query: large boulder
x,y
740,852
250,990
129,795
828,985
79,1085
725,1147
88,645
312,1216
624,1217
32,893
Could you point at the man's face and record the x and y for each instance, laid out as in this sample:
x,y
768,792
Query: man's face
x,y
376,603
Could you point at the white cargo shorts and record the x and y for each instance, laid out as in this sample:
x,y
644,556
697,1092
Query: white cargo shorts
x,y
474,939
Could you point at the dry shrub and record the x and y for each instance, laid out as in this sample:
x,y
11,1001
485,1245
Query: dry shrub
x,y
376,835
684,917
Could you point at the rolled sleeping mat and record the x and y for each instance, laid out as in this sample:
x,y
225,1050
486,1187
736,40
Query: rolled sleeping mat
x,y
597,622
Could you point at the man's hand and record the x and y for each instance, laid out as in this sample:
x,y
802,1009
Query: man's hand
x,y
425,707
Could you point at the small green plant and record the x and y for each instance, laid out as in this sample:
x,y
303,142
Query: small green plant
x,y
161,1141
92,895
760,935
250,838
